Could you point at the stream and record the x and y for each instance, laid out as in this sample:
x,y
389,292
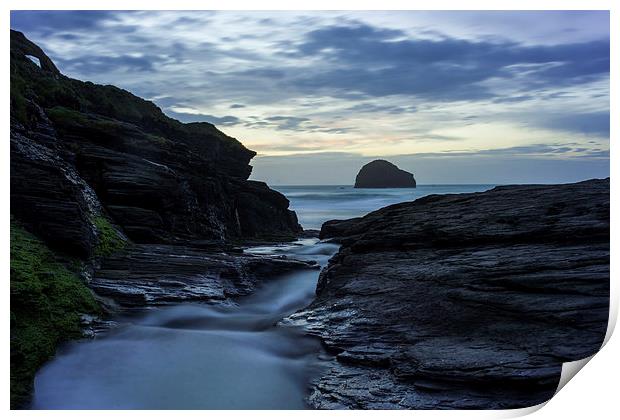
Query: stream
x,y
197,356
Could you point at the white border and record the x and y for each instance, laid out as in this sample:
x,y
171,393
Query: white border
x,y
593,394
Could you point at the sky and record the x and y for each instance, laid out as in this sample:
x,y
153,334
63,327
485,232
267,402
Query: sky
x,y
454,97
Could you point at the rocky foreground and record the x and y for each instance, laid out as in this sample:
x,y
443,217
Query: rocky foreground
x,y
463,301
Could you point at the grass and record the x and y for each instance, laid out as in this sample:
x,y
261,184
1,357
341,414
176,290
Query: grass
x,y
110,241
47,301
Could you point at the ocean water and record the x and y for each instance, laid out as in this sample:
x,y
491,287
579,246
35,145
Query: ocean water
x,y
316,204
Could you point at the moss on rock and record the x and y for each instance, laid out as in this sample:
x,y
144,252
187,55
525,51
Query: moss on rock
x,y
47,301
110,241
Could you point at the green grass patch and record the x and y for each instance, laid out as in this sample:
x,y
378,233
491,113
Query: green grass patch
x,y
66,117
47,300
109,239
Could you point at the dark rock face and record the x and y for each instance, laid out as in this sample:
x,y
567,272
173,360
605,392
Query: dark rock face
x,y
158,180
165,274
49,195
463,301
383,174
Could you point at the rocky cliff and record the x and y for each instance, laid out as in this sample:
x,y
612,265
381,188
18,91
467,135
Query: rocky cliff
x,y
463,301
79,150
107,191
383,174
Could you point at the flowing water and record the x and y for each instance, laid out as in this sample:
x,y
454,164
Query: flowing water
x,y
216,357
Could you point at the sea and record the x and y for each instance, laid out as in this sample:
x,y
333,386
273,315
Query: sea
x,y
316,204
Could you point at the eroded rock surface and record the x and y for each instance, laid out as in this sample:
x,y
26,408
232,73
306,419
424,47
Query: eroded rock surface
x,y
157,179
162,274
463,301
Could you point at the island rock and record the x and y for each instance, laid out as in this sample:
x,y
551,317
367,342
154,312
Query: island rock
x,y
383,174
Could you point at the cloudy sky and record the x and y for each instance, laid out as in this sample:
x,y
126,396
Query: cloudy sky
x,y
455,97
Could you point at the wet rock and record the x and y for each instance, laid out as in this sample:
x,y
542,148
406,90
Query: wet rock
x,y
383,174
463,301
310,233
263,213
147,275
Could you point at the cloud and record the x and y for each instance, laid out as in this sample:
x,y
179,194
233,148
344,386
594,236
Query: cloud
x,y
94,64
287,123
343,58
290,123
189,118
558,150
513,99
394,82
589,123
376,62
366,107
52,22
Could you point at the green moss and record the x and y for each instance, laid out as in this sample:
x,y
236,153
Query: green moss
x,y
65,116
47,301
109,239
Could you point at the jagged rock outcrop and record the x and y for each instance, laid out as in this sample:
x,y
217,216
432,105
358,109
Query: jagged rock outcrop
x,y
465,300
383,174
158,180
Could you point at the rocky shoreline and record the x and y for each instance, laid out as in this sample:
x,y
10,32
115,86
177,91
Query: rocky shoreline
x,y
463,301
453,301
115,205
